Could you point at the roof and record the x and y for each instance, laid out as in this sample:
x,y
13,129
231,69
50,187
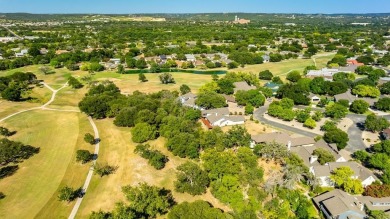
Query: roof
x,y
206,123
189,56
350,97
359,171
242,85
301,141
386,131
337,202
278,137
188,96
325,72
229,98
272,85
218,111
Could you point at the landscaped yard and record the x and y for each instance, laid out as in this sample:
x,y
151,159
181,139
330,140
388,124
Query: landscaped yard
x,y
34,186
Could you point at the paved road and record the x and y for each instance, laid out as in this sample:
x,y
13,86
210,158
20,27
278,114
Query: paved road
x,y
354,132
90,173
258,114
43,107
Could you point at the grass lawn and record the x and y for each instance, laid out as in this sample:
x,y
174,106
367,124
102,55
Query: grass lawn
x,y
117,149
32,188
128,83
68,98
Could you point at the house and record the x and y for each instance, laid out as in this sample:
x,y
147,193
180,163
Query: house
x,y
314,98
188,100
190,57
383,80
43,51
350,68
229,98
281,138
266,58
306,153
273,86
242,85
162,59
116,61
386,134
22,53
323,173
339,204
324,72
350,97
221,117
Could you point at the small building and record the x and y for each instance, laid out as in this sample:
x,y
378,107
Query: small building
x,y
190,57
116,61
386,134
188,100
242,85
221,117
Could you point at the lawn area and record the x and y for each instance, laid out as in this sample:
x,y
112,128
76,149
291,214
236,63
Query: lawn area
x,y
117,149
68,98
34,185
128,83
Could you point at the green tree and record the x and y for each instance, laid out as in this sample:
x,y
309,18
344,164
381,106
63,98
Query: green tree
x,y
195,210
148,200
89,138
191,179
249,109
5,132
337,136
184,145
265,75
341,175
310,123
324,156
359,106
353,186
143,132
374,123
336,111
385,88
67,194
210,100
184,89
166,78
74,83
366,91
104,169
83,156
294,76
237,136
383,104
141,64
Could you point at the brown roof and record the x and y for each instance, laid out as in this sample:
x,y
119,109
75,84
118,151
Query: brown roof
x,y
302,141
242,85
386,131
229,98
278,137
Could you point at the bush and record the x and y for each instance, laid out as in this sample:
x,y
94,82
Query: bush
x,y
310,123
74,83
383,104
265,75
359,106
143,132
68,194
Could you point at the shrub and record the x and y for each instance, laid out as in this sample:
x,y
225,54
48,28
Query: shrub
x,y
83,156
89,138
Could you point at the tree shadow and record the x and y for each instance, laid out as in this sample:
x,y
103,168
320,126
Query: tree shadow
x,y
8,171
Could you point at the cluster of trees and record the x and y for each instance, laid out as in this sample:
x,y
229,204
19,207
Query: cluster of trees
x,y
335,135
377,190
12,87
155,158
84,156
74,83
374,123
383,104
282,109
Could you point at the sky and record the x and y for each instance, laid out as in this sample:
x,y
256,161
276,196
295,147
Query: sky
x,y
194,6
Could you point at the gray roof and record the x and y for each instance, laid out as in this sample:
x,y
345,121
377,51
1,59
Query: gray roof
x,y
348,68
188,96
219,111
229,98
214,118
337,202
242,85
361,172
301,141
278,137
350,97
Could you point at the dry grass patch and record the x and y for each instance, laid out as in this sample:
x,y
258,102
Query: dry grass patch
x,y
269,167
118,149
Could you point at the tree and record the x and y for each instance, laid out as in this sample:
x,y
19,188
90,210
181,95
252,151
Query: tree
x,y
226,86
353,186
46,70
317,116
337,136
184,145
271,151
121,69
383,104
5,132
377,190
148,200
155,158
141,64
341,175
310,123
249,109
232,65
277,80
294,92
324,156
191,179
375,124
142,77
294,76
237,136
265,75
210,100
317,85
166,78
361,155
196,209
89,138
11,94
252,97
83,156
74,83
143,132
336,111
359,106
385,88
68,194
366,91
104,169
184,89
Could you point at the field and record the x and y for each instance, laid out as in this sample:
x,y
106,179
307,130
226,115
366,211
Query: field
x,y
38,178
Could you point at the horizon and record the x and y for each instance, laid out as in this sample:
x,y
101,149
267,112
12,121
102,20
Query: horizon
x,y
194,7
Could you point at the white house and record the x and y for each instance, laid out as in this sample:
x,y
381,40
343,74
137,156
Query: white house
x,y
190,57
189,101
221,117
22,53
323,173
